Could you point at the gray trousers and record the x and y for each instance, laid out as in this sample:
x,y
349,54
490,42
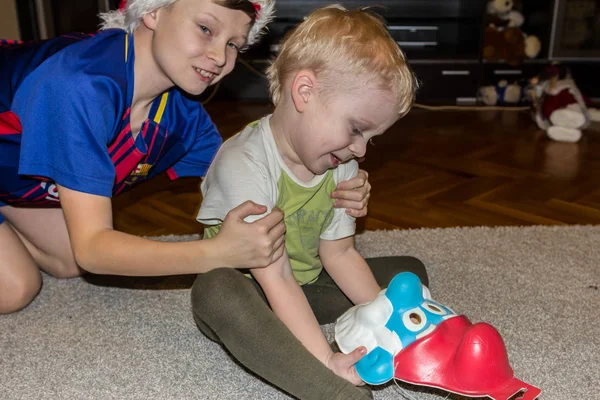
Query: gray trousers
x,y
231,309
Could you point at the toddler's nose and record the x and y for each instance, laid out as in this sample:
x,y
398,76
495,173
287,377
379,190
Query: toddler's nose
x,y
358,148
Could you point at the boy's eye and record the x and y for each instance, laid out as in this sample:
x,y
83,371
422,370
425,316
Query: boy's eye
x,y
205,29
356,131
234,46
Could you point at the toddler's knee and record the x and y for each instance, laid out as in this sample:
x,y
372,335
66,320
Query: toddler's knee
x,y
219,298
210,289
18,294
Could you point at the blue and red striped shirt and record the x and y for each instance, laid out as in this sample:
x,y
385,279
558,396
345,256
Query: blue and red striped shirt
x,y
64,118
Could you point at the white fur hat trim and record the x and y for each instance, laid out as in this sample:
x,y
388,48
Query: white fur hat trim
x,y
129,16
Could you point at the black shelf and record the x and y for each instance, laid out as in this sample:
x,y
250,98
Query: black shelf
x,y
390,9
448,61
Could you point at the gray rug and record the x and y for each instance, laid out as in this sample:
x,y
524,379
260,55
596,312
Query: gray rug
x,y
135,339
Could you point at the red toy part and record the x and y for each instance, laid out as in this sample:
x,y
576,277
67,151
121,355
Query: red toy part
x,y
556,102
462,358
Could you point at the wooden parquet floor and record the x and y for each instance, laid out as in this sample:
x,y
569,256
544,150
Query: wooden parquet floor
x,y
432,169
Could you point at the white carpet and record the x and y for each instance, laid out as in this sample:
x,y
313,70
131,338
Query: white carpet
x,y
537,285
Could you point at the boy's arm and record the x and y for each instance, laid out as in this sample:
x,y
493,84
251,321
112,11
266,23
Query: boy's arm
x,y
288,302
348,269
100,249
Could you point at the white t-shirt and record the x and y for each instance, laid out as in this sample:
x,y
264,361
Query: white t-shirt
x,y
249,166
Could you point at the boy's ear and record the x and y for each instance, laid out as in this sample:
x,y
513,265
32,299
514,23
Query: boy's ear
x,y
150,20
303,89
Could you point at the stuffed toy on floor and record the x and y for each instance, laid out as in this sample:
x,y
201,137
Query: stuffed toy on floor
x,y
503,93
559,108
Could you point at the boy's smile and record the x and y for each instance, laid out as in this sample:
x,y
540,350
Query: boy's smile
x,y
205,75
195,42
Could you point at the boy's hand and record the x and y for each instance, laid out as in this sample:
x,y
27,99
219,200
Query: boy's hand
x,y
343,365
251,245
354,194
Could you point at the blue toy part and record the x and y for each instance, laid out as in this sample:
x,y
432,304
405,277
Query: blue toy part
x,y
397,317
377,367
413,317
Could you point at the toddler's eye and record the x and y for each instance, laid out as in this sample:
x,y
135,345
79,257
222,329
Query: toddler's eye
x,y
233,46
355,131
205,29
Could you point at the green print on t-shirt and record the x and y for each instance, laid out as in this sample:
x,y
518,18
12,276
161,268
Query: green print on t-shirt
x,y
308,212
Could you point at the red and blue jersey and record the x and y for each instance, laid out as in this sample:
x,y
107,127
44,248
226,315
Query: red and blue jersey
x,y
64,118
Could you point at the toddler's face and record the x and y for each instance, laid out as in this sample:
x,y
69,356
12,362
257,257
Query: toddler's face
x,y
337,128
196,42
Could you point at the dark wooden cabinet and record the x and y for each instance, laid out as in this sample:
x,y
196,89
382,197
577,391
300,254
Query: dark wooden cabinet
x,y
43,19
586,76
247,82
75,16
447,82
492,73
442,41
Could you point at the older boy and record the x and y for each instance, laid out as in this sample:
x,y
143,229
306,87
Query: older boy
x,y
86,117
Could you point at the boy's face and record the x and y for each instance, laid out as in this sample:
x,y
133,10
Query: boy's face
x,y
338,127
196,42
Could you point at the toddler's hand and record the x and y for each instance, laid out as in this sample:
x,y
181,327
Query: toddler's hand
x,y
354,195
343,365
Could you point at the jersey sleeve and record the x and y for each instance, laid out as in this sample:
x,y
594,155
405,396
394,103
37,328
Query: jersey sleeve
x,y
68,116
234,177
342,224
197,161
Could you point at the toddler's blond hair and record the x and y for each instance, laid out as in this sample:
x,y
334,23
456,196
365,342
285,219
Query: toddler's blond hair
x,y
333,41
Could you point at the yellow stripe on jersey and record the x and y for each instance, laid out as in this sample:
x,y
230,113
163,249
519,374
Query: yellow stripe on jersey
x,y
161,108
126,46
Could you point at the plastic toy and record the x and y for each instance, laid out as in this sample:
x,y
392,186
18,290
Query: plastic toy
x,y
414,339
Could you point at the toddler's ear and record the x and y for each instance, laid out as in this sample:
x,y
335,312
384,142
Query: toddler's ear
x,y
303,88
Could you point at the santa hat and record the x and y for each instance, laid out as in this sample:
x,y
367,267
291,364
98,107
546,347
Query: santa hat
x,y
130,13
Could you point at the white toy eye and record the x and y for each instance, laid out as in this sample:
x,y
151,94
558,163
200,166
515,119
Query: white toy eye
x,y
414,320
433,308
